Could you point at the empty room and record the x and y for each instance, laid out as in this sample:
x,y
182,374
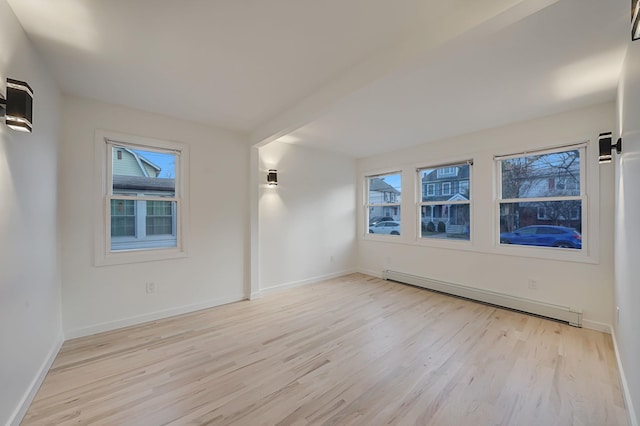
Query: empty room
x,y
297,212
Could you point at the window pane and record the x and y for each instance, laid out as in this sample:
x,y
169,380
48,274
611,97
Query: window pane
x,y
143,172
385,189
123,218
545,224
387,222
449,183
160,217
445,221
544,175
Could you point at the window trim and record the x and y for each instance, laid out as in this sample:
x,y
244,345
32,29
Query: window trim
x,y
103,255
432,187
442,186
589,196
446,171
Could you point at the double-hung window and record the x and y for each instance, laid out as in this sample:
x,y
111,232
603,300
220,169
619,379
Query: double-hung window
x,y
541,198
383,197
143,192
445,202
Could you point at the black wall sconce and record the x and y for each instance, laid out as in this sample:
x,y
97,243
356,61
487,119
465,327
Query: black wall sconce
x,y
606,147
17,108
272,177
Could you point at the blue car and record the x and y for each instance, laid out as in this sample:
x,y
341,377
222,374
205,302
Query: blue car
x,y
543,235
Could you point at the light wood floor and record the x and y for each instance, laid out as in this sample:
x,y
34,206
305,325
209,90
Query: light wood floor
x,y
354,350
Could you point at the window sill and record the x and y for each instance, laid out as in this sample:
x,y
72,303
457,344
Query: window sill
x,y
546,253
138,256
382,237
445,243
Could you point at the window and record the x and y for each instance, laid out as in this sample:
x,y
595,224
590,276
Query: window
x,y
431,190
542,213
384,193
160,218
446,215
447,171
464,188
123,218
143,194
541,198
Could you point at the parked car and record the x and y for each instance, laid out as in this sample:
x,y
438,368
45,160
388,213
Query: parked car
x,y
543,235
385,227
375,219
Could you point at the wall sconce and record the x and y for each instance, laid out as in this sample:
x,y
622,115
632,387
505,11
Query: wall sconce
x,y
272,177
606,147
18,106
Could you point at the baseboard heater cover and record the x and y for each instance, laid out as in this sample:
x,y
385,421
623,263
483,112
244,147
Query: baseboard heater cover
x,y
570,315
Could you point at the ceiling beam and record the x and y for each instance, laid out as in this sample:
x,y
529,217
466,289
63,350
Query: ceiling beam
x,y
448,25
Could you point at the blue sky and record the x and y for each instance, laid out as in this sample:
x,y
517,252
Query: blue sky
x,y
167,162
393,180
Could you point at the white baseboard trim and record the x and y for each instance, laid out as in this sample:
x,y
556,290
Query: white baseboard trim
x,y
377,274
18,414
152,316
279,287
628,402
597,326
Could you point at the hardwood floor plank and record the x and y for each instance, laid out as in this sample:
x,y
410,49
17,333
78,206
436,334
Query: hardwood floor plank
x,y
353,350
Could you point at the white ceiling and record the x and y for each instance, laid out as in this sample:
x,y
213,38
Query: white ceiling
x,y
359,77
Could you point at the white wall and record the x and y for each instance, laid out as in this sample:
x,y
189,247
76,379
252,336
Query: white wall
x,y
567,283
107,297
30,318
627,234
306,223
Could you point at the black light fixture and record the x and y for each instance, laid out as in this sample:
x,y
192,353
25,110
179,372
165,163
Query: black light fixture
x,y
18,106
606,147
272,177
635,11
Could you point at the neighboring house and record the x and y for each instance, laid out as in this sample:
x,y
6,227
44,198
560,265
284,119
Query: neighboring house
x,y
542,178
380,192
139,224
129,163
446,184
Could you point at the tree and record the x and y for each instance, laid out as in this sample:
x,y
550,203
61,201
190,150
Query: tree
x,y
540,176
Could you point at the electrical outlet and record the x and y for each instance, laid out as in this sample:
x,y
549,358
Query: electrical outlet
x,y
331,259
151,288
532,284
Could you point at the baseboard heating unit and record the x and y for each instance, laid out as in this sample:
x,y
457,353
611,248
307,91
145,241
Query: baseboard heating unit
x,y
570,315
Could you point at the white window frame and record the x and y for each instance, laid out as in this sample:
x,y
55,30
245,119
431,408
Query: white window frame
x,y
448,186
431,190
385,205
447,172
103,188
448,166
588,193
